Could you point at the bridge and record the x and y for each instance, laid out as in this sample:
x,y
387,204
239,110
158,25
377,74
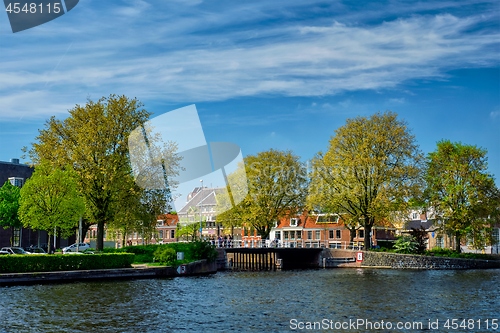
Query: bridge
x,y
269,258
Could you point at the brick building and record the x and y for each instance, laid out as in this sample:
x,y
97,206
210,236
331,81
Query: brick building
x,y
17,174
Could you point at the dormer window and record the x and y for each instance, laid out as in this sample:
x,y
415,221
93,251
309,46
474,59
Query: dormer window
x,y
327,218
294,221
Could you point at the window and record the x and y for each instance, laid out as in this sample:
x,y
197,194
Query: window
x,y
309,234
277,234
160,223
439,242
318,234
292,234
299,234
160,234
294,221
330,233
285,234
16,236
327,218
16,181
361,233
172,233
414,216
339,233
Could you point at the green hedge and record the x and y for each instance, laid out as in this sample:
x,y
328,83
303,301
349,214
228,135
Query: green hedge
x,y
440,252
66,262
192,251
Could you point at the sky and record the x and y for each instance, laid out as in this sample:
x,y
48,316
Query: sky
x,y
264,74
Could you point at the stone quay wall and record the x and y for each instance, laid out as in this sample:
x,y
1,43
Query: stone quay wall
x,y
409,261
348,258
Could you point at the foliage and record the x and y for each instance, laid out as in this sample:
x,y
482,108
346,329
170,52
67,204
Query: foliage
x,y
406,244
192,251
165,255
9,205
202,250
370,171
187,230
277,185
94,139
50,200
461,192
419,235
53,263
440,252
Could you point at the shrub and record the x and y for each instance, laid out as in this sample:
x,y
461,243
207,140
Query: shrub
x,y
202,250
406,244
147,253
165,255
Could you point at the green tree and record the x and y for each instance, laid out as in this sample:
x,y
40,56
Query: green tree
x,y
94,139
371,169
461,192
9,206
277,186
50,201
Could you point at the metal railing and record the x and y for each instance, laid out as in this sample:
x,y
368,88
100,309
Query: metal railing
x,y
289,244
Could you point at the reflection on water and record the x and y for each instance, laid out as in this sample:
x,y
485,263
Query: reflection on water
x,y
252,301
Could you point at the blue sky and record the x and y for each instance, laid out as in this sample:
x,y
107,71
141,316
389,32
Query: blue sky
x,y
264,74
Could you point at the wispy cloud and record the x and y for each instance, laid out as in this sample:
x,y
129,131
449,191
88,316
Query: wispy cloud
x,y
214,54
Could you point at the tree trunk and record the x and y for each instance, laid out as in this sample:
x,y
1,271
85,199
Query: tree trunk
x,y
49,244
367,239
263,232
457,242
368,230
352,235
100,236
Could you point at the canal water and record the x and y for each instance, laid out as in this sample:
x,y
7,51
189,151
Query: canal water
x,y
335,300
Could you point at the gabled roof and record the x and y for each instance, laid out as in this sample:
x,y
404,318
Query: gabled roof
x,y
201,197
169,219
417,224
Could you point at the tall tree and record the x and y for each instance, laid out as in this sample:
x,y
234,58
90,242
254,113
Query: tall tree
x,y
277,186
462,193
9,206
371,169
50,201
93,139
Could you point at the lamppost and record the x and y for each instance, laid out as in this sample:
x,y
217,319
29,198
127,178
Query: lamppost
x,y
201,211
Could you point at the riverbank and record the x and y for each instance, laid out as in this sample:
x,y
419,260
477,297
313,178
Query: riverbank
x,y
372,259
200,267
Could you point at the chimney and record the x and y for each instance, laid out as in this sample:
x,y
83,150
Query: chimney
x,y
14,160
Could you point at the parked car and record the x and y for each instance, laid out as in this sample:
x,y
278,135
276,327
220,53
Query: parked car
x,y
13,250
35,250
73,248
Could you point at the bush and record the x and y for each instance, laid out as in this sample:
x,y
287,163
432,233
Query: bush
x,y
202,250
440,252
192,251
406,244
63,262
165,255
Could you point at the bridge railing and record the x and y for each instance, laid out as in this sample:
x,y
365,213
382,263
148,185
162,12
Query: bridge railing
x,y
290,244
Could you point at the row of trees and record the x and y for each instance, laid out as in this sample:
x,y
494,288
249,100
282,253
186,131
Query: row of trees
x,y
373,172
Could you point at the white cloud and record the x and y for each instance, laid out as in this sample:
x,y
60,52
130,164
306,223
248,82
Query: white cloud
x,y
200,57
